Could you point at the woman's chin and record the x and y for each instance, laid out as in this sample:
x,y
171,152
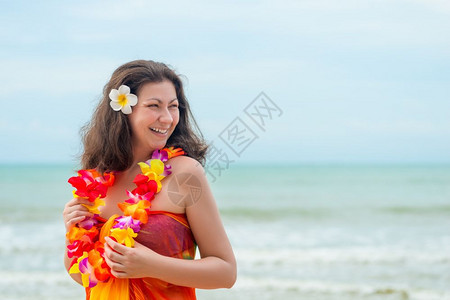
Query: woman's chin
x,y
159,144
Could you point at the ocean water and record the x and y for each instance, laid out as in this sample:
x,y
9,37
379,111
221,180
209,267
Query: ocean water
x,y
298,232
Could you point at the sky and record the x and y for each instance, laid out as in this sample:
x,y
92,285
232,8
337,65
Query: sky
x,y
351,81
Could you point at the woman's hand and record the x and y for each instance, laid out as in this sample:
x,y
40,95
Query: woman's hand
x,y
128,262
74,212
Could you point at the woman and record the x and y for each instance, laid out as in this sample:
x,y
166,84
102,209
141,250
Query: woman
x,y
159,262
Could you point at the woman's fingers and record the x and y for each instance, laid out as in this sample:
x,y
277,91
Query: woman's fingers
x,y
115,246
74,212
117,269
115,252
77,204
72,222
113,260
78,213
126,262
77,201
112,255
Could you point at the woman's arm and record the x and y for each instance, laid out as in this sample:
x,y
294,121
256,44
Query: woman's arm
x,y
215,269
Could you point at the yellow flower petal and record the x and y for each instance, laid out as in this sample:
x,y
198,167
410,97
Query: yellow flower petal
x,y
124,236
144,167
94,208
85,279
157,166
158,183
75,267
129,241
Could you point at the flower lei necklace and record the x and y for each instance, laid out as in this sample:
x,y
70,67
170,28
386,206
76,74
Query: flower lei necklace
x,y
85,246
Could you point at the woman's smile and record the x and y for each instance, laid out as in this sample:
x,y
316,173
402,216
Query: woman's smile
x,y
159,132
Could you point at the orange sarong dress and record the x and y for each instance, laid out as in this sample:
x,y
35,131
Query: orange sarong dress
x,y
166,233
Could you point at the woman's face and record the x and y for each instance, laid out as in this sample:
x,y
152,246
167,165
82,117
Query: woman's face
x,y
156,110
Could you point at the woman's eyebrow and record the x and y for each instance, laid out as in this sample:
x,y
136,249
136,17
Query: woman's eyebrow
x,y
159,100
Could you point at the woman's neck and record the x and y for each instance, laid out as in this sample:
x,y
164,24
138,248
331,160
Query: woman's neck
x,y
141,155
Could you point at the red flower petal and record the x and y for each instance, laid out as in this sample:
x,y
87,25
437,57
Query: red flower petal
x,y
140,179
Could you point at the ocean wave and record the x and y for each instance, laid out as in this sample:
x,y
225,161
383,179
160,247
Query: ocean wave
x,y
30,214
58,285
21,285
313,289
275,213
418,210
321,213
345,255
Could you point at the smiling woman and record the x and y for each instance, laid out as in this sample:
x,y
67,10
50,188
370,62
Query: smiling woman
x,y
153,120
128,236
107,138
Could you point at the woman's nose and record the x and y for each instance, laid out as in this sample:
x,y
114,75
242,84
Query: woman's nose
x,y
165,116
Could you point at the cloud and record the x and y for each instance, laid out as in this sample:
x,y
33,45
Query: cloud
x,y
438,6
54,75
337,68
348,23
35,127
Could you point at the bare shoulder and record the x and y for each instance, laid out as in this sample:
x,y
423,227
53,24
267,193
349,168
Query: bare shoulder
x,y
189,181
185,164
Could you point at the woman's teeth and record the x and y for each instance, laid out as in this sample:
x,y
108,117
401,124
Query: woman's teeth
x,y
163,131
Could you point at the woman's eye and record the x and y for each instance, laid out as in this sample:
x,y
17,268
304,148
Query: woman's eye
x,y
156,105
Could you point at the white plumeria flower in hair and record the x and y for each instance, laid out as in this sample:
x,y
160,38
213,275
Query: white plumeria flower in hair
x,y
122,99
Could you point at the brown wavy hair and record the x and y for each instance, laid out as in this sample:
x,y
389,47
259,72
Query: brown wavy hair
x,y
107,137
